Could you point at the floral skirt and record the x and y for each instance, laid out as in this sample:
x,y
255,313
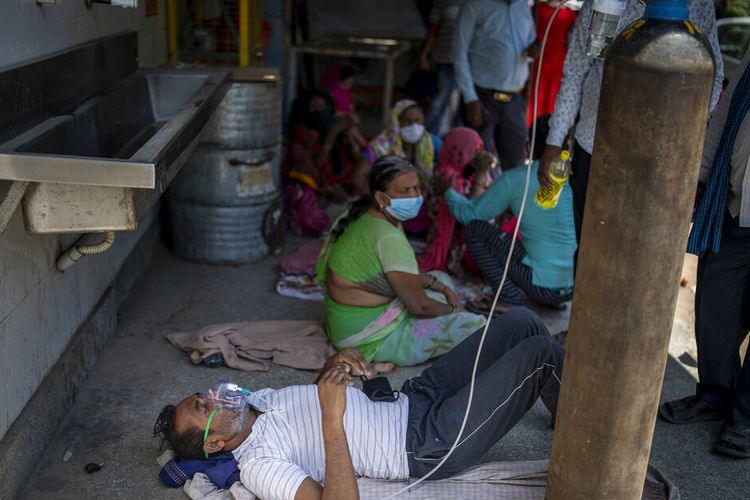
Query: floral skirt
x,y
407,340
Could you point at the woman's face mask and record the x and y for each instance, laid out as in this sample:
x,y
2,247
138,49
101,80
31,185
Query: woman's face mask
x,y
411,134
404,209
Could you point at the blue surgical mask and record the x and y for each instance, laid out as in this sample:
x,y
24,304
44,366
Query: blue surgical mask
x,y
404,209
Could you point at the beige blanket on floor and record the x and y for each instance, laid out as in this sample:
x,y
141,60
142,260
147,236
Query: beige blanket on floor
x,y
491,480
247,346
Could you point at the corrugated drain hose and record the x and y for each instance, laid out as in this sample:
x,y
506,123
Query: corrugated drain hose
x,y
74,253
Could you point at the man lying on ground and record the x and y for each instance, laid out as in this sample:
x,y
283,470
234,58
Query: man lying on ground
x,y
312,441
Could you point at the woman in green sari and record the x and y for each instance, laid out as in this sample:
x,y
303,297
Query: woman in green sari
x,y
376,298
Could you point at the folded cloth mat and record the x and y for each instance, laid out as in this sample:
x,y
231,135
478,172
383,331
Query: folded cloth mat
x,y
299,286
506,480
246,346
303,259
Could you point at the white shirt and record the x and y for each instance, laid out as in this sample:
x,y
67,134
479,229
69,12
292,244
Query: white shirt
x,y
286,442
739,176
582,75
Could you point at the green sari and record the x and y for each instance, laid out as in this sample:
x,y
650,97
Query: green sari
x,y
369,248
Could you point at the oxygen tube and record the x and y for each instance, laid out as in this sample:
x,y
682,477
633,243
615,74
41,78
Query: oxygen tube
x,y
505,271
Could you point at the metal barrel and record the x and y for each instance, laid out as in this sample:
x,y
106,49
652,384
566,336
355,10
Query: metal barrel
x,y
217,204
218,200
260,101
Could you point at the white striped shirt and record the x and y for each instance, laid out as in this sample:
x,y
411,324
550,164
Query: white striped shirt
x,y
286,442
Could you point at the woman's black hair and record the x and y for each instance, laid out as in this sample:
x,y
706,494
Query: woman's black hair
x,y
346,72
384,170
301,107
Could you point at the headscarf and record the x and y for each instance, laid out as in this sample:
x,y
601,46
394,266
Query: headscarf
x,y
331,81
389,142
457,150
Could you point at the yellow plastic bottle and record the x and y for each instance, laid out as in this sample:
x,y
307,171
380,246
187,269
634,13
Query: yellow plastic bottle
x,y
559,170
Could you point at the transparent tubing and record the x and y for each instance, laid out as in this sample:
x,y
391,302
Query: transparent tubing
x,y
505,271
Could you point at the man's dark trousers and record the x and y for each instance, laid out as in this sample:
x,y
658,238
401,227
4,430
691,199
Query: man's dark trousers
x,y
722,321
504,126
519,364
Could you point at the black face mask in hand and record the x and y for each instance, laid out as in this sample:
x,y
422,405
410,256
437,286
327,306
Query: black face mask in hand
x,y
379,389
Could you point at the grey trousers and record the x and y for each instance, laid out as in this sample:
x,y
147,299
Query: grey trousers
x,y
519,363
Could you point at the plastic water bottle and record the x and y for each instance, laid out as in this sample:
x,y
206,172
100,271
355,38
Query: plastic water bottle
x,y
604,21
559,170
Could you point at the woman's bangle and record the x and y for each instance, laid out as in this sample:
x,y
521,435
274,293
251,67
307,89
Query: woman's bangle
x,y
454,308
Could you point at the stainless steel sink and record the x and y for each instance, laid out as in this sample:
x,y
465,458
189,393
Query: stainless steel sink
x,y
101,163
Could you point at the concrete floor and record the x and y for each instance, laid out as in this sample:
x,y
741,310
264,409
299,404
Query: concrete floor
x,y
140,371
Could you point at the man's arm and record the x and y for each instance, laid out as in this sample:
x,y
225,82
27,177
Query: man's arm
x,y
577,66
461,40
704,15
340,481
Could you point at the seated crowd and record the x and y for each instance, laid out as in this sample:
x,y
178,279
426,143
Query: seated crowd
x,y
423,214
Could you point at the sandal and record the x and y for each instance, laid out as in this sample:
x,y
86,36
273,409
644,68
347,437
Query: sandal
x,y
734,441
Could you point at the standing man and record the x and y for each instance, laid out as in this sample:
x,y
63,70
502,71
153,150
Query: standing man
x,y
579,95
491,47
438,46
721,237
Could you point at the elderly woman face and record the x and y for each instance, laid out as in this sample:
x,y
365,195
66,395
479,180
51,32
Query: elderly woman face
x,y
411,125
411,116
404,186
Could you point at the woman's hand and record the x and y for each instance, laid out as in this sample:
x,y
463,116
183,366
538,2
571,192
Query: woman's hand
x,y
441,184
453,299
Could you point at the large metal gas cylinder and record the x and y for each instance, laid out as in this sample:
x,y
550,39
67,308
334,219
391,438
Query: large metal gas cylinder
x,y
651,122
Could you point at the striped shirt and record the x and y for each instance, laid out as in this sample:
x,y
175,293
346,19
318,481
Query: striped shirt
x,y
286,442
739,175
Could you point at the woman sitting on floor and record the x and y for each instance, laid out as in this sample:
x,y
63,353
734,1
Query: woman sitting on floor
x,y
542,265
376,298
319,161
466,164
406,137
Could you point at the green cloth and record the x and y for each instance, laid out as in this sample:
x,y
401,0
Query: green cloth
x,y
369,248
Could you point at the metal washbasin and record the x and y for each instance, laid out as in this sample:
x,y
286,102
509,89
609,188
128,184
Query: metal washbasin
x,y
101,162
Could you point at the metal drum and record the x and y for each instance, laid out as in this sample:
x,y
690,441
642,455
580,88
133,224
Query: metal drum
x,y
219,201
248,117
228,177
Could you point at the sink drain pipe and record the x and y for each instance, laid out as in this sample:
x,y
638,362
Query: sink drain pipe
x,y
75,252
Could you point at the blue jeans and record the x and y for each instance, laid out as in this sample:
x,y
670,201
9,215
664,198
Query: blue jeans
x,y
519,363
446,84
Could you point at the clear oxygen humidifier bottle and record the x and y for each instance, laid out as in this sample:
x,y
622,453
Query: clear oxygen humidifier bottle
x,y
604,21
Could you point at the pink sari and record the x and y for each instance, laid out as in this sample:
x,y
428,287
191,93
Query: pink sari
x,y
457,150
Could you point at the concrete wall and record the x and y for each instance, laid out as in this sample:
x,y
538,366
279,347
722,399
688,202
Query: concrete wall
x,y
40,308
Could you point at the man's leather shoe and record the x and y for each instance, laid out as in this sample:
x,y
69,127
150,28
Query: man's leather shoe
x,y
690,410
734,440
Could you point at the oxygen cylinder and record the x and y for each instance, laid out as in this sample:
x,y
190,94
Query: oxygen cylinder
x,y
653,111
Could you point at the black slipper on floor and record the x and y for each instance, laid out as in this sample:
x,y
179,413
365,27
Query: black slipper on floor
x,y
734,441
689,410
482,307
